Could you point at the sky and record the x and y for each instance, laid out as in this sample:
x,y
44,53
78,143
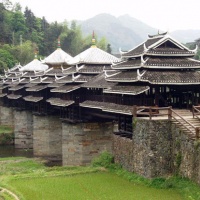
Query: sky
x,y
166,15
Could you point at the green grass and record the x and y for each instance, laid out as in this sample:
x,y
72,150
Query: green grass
x,y
5,129
98,186
30,179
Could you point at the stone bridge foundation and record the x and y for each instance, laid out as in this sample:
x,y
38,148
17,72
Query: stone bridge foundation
x,y
6,116
47,137
23,129
82,142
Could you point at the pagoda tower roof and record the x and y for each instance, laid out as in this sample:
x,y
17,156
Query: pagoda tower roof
x,y
160,45
93,55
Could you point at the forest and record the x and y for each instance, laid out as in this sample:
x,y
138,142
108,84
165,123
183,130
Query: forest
x,y
22,34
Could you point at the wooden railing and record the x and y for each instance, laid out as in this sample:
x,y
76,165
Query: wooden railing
x,y
151,111
155,111
196,111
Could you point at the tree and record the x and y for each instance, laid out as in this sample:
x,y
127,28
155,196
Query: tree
x,y
109,50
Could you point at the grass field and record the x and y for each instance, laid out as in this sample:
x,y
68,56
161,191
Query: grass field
x,y
30,179
92,186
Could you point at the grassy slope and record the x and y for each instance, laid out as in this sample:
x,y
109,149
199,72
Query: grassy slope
x,y
98,186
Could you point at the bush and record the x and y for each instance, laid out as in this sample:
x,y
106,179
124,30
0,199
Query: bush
x,y
104,160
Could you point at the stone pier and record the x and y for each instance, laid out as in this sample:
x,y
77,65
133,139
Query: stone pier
x,y
23,129
82,142
47,137
6,116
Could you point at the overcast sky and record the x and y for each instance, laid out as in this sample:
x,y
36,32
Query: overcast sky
x,y
166,15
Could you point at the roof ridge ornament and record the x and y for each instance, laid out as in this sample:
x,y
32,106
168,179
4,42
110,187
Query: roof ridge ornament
x,y
58,44
75,77
145,48
139,76
195,50
93,41
57,78
78,68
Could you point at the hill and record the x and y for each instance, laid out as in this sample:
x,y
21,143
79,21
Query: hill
x,y
123,32
126,32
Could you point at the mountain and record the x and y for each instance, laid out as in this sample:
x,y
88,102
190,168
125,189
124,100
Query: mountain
x,y
186,36
123,32
126,32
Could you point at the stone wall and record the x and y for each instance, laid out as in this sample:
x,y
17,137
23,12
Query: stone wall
x,y
186,155
158,148
82,142
149,151
23,129
6,116
47,137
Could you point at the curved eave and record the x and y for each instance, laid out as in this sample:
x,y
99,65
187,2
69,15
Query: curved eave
x,y
168,54
89,72
127,93
170,83
121,81
117,111
128,67
172,67
56,63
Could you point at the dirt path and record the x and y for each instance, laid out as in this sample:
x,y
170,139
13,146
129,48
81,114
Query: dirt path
x,y
2,190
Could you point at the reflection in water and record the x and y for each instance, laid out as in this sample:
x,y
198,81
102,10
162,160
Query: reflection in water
x,y
10,151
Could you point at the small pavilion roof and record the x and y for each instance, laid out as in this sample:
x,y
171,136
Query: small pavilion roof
x,y
66,88
98,82
108,107
32,98
34,65
58,57
13,96
60,102
126,89
93,55
37,88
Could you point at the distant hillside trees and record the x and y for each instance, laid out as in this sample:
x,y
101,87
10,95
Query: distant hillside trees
x,y
22,33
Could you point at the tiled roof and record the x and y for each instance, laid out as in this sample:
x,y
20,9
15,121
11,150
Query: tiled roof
x,y
32,98
124,76
53,72
98,82
153,46
58,57
108,107
91,69
65,88
171,62
59,102
83,78
130,90
34,65
171,77
3,95
45,79
17,87
30,85
55,85
13,96
36,88
64,79
94,55
128,64
69,70
171,51
3,86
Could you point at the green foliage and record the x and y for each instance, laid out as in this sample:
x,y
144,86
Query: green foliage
x,y
104,160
